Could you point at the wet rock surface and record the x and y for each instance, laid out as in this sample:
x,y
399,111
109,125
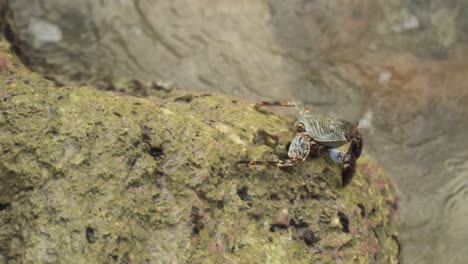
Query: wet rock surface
x,y
92,176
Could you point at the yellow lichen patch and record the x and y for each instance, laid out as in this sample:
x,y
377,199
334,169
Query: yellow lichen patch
x,y
167,111
229,133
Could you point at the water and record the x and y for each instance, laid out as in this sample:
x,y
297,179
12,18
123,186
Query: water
x,y
397,66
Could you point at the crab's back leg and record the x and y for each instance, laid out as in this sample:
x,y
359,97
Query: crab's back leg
x,y
297,104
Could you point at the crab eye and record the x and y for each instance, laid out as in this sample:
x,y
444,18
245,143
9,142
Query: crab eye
x,y
300,127
300,146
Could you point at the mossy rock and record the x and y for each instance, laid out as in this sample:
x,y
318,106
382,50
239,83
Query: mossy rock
x,y
90,176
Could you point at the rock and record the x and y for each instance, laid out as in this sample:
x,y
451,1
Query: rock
x,y
444,23
91,176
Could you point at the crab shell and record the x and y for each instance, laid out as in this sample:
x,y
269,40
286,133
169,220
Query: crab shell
x,y
326,130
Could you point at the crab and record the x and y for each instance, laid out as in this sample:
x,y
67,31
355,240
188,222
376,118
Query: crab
x,y
318,133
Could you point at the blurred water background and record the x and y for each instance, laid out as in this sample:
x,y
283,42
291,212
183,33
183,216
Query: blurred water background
x,y
398,66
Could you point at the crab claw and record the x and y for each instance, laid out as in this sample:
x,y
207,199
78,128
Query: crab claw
x,y
348,163
356,141
356,145
300,146
349,169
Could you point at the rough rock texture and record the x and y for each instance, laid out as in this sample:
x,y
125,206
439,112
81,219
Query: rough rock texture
x,y
93,177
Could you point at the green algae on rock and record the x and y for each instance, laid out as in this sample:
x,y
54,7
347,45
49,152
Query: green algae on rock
x,y
93,177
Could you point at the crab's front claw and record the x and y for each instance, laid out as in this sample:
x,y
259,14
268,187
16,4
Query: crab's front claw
x,y
348,170
348,164
357,143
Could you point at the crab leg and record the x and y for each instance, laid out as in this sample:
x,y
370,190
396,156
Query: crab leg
x,y
297,104
277,163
